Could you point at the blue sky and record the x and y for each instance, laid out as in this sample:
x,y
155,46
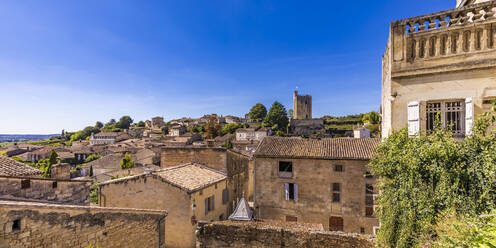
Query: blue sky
x,y
68,64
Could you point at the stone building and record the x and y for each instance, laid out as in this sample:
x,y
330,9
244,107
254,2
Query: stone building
x,y
157,122
302,106
322,181
252,133
189,192
35,224
442,63
107,138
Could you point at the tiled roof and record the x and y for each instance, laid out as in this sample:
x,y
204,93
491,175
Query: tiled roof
x,y
107,134
191,176
10,167
326,148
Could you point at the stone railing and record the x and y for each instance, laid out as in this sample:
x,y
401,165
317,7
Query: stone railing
x,y
458,31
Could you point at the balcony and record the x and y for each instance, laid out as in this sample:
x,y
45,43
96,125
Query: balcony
x,y
457,39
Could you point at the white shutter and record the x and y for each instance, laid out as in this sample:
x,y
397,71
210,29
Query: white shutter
x,y
286,187
296,192
469,115
413,118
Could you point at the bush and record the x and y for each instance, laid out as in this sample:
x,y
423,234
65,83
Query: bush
x,y
422,178
92,157
94,194
127,162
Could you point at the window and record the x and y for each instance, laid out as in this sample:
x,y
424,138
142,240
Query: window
x,y
25,184
221,217
209,204
290,218
369,189
362,230
336,192
336,223
338,168
291,190
225,196
369,200
16,225
201,192
54,185
368,175
451,114
285,169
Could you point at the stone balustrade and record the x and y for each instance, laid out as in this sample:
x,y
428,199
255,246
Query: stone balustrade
x,y
416,43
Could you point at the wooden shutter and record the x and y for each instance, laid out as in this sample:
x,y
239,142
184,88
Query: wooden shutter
x,y
286,188
413,118
213,202
296,192
469,116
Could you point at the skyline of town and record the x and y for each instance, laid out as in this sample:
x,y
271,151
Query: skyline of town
x,y
177,61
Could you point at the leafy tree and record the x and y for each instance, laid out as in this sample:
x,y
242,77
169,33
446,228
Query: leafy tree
x,y
277,118
111,122
127,162
421,178
92,157
371,118
85,133
212,128
141,124
258,112
230,128
52,159
124,122
99,125
94,194
228,145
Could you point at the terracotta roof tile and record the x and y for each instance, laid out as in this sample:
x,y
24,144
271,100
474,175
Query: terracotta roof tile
x,y
326,148
10,167
191,176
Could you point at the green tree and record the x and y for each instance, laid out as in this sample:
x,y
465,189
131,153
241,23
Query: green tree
x,y
124,122
111,122
423,177
258,112
277,118
230,128
99,125
92,157
127,162
371,118
228,145
141,124
94,194
91,171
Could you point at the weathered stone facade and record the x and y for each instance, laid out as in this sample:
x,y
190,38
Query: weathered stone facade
x,y
315,179
185,208
444,63
262,234
214,158
306,126
302,106
24,224
74,192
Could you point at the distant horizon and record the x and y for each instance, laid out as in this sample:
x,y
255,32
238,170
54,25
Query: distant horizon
x,y
67,64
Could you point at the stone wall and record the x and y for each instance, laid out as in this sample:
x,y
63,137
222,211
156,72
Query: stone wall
x,y
263,234
214,158
24,224
306,126
74,192
315,179
238,172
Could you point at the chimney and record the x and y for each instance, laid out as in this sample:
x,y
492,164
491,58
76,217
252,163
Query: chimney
x,y
361,132
61,171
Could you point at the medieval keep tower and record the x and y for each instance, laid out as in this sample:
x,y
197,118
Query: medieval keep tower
x,y
302,106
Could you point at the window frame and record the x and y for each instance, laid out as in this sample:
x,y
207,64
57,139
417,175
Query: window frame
x,y
289,170
444,109
336,192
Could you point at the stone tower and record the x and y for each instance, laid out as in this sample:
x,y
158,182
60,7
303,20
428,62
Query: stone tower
x,y
302,106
